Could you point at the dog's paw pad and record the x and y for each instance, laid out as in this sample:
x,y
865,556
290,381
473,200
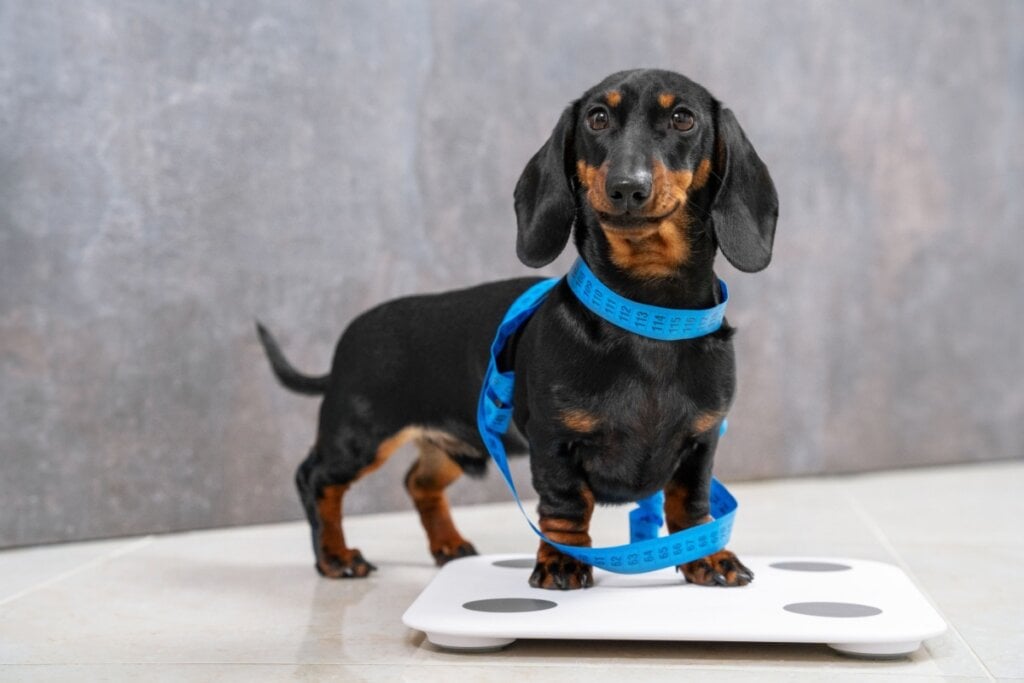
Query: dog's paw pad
x,y
446,554
563,573
351,566
718,569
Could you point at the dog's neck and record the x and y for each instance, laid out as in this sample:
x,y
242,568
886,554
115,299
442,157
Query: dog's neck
x,y
693,285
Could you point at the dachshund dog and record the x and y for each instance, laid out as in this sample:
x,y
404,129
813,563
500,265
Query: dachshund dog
x,y
651,175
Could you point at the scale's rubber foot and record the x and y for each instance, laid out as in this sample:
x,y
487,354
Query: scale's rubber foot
x,y
877,650
468,643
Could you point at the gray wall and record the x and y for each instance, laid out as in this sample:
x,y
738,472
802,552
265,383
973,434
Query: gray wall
x,y
169,171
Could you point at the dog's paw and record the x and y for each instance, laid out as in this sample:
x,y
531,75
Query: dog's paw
x,y
349,566
446,554
562,573
719,569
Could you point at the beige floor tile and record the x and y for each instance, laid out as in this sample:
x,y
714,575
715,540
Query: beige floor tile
x,y
208,673
978,588
971,503
802,517
248,595
21,569
957,530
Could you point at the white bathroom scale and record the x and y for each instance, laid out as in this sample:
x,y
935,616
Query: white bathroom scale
x,y
858,607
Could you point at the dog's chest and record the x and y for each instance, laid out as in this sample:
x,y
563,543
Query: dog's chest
x,y
630,458
652,399
644,417
631,437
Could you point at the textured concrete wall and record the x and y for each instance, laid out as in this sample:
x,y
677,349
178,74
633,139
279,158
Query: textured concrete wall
x,y
169,171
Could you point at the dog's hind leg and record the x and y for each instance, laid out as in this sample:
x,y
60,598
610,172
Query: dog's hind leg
x,y
323,479
323,504
426,481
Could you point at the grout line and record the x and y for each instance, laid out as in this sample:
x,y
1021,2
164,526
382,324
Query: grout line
x,y
95,562
882,538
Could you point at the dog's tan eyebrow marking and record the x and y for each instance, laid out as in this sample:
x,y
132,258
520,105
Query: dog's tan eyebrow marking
x,y
613,97
666,99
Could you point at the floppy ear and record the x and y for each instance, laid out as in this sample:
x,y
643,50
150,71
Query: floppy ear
x,y
744,212
545,206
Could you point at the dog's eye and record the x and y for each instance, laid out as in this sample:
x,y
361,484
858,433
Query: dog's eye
x,y
682,120
598,119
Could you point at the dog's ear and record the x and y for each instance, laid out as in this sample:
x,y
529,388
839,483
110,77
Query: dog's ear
x,y
745,208
545,206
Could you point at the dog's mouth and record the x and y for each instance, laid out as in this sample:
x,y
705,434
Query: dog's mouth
x,y
629,221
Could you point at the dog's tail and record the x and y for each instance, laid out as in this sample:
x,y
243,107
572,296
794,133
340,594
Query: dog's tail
x,y
288,375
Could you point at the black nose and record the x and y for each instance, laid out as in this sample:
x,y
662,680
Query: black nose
x,y
628,192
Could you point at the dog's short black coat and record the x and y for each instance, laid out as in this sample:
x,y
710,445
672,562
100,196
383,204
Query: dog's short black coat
x,y
651,175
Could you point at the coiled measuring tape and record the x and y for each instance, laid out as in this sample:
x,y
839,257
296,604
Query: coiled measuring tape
x,y
646,551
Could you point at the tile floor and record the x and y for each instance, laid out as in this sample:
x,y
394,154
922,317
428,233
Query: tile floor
x,y
246,604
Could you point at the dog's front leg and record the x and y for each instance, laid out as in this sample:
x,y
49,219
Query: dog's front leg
x,y
688,503
565,508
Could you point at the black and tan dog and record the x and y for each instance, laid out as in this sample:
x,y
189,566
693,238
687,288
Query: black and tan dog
x,y
654,174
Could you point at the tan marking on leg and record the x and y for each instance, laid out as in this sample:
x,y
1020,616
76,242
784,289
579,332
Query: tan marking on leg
x,y
569,531
579,420
328,510
388,446
613,98
677,515
565,531
334,558
555,569
666,99
702,571
675,507
426,482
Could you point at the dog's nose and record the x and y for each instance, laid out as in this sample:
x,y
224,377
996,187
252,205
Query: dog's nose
x,y
629,192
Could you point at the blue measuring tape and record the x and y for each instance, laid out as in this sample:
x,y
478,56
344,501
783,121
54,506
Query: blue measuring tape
x,y
666,324
647,551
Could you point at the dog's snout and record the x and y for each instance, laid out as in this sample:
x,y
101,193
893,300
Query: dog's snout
x,y
629,192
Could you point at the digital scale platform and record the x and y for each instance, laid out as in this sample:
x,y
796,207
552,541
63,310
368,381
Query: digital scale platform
x,y
858,607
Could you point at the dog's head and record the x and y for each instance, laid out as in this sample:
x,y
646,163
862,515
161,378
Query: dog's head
x,y
647,161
